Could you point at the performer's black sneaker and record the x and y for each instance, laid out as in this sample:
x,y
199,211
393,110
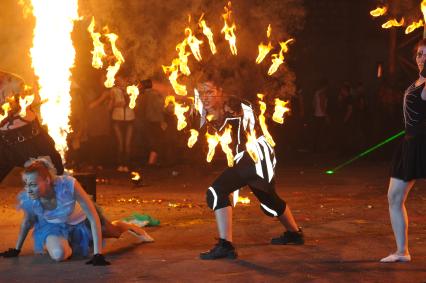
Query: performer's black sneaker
x,y
289,238
223,249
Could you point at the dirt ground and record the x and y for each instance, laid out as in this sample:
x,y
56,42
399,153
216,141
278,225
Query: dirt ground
x,y
344,217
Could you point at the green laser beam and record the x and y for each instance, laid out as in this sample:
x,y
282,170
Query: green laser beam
x,y
332,171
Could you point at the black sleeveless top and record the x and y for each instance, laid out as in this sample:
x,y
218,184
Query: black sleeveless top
x,y
414,109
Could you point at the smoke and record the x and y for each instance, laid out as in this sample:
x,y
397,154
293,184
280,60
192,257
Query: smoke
x,y
149,31
15,40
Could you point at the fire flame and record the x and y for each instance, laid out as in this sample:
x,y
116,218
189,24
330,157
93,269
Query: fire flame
x,y
243,200
229,30
278,59
98,47
262,121
379,11
264,49
133,91
136,176
173,71
414,26
179,111
393,23
209,34
24,103
183,58
213,141
52,58
112,70
194,44
251,146
280,109
225,141
193,138
6,108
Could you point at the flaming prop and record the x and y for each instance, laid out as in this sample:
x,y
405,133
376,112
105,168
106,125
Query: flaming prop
x,y
280,109
179,111
229,29
262,120
213,141
193,138
52,58
209,34
133,91
252,145
183,58
393,23
414,26
225,141
173,71
278,59
6,108
264,49
379,11
136,176
98,47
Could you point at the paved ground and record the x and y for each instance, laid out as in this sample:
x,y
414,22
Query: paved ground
x,y
344,217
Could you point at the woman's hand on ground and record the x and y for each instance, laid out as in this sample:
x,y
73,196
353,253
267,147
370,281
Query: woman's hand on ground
x,y
10,253
98,260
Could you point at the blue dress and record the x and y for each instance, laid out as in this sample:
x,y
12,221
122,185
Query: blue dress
x,y
55,222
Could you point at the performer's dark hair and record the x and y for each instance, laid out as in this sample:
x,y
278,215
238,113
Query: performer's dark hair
x,y
422,42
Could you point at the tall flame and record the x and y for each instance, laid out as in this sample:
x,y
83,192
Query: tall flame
x,y
262,121
98,47
379,11
113,70
229,29
52,58
278,59
179,111
209,34
193,138
280,109
263,48
24,103
133,91
393,23
251,146
194,44
6,108
183,58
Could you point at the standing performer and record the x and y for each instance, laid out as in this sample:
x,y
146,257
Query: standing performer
x,y
21,138
217,113
409,162
64,218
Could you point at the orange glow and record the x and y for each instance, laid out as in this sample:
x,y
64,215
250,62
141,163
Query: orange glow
x,y
6,108
98,47
393,23
193,138
229,29
209,34
194,44
262,121
133,91
113,70
278,59
243,200
179,112
53,56
379,11
225,141
423,9
280,109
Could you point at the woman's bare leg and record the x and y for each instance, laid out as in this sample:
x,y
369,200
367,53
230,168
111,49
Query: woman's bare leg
x,y
58,248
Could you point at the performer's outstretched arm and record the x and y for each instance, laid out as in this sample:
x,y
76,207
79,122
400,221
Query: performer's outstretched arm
x,y
26,225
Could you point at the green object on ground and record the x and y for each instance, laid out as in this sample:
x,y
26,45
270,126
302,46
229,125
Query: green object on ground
x,y
143,217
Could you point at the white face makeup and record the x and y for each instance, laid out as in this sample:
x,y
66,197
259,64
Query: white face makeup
x,y
421,57
31,185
